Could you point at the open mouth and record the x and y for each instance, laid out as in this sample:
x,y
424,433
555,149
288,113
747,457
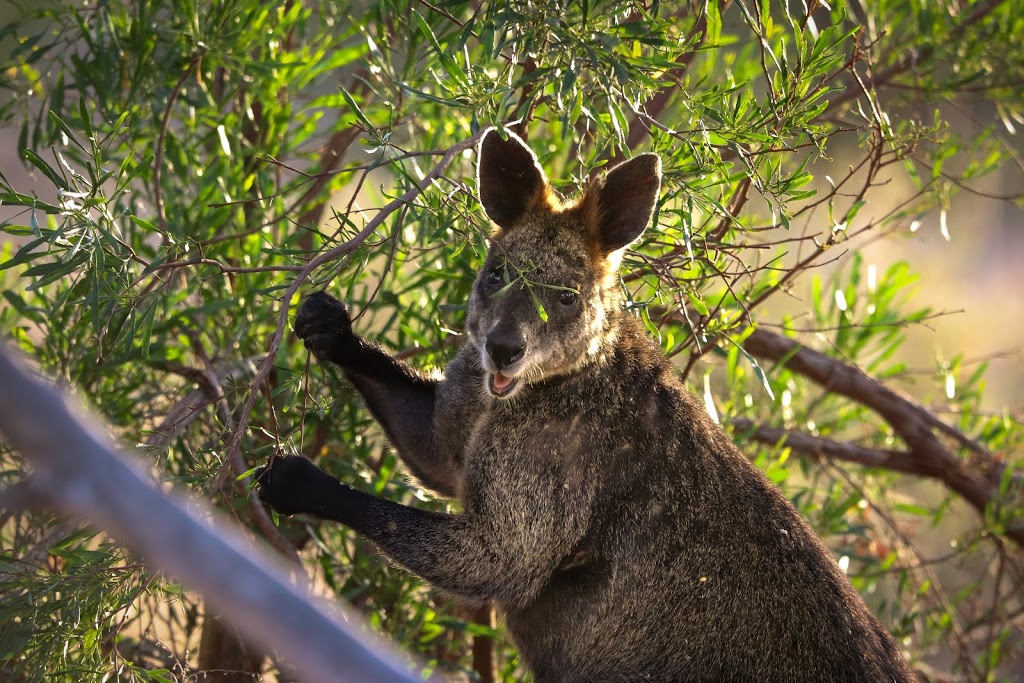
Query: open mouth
x,y
501,386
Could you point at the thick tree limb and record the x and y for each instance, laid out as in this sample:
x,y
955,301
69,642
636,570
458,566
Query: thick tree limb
x,y
809,444
915,425
79,472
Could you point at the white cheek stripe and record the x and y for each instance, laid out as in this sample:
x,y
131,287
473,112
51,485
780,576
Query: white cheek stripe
x,y
596,330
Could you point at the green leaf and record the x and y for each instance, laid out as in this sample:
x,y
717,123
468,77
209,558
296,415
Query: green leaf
x,y
51,272
25,254
912,509
713,17
447,61
37,161
698,303
761,376
356,110
15,199
248,473
538,305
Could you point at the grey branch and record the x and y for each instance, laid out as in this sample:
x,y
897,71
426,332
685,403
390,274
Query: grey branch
x,y
78,471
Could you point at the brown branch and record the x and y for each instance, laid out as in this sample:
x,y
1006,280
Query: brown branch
x,y
801,442
915,56
235,442
483,646
444,13
913,423
158,153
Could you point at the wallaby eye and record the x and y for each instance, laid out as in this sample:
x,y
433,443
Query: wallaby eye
x,y
495,276
567,297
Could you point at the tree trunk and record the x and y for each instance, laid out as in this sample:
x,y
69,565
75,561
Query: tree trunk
x,y
224,657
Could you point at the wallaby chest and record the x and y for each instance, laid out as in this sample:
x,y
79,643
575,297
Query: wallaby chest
x,y
552,435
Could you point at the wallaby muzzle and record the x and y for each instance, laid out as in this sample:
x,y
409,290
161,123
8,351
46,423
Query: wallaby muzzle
x,y
505,349
501,352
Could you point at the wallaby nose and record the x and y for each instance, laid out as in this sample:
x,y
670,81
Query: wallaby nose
x,y
505,350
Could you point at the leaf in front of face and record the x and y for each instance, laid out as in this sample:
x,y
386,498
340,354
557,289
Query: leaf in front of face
x,y
562,288
504,290
540,307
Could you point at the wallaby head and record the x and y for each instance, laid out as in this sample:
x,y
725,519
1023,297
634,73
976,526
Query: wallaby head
x,y
547,299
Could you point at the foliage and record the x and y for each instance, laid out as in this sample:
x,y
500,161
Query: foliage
x,y
200,163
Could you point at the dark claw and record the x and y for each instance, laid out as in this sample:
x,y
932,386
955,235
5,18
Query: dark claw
x,y
323,315
285,481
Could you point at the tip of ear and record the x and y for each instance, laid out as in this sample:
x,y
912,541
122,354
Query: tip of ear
x,y
642,165
651,161
509,179
493,143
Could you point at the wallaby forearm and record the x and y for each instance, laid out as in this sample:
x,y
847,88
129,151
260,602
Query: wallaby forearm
x,y
400,398
457,553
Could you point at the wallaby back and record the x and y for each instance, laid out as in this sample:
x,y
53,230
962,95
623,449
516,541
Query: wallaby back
x,y
635,542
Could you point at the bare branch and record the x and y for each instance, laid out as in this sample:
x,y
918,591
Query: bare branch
x,y
809,444
158,154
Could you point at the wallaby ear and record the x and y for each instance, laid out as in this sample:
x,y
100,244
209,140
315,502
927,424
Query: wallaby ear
x,y
618,207
508,177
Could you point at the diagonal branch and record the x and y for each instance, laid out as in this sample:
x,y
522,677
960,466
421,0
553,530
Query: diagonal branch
x,y
915,425
234,444
77,468
915,56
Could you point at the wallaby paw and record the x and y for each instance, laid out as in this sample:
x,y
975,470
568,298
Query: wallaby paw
x,y
286,483
323,325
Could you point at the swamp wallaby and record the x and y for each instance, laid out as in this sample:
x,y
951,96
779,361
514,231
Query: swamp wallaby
x,y
618,528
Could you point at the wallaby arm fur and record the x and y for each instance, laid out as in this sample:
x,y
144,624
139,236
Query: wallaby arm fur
x,y
400,398
470,554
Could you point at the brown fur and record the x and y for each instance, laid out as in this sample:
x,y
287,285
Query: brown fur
x,y
620,530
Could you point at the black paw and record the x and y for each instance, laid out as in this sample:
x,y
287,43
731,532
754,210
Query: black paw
x,y
290,484
324,326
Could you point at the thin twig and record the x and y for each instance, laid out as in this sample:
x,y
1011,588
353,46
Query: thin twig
x,y
158,153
